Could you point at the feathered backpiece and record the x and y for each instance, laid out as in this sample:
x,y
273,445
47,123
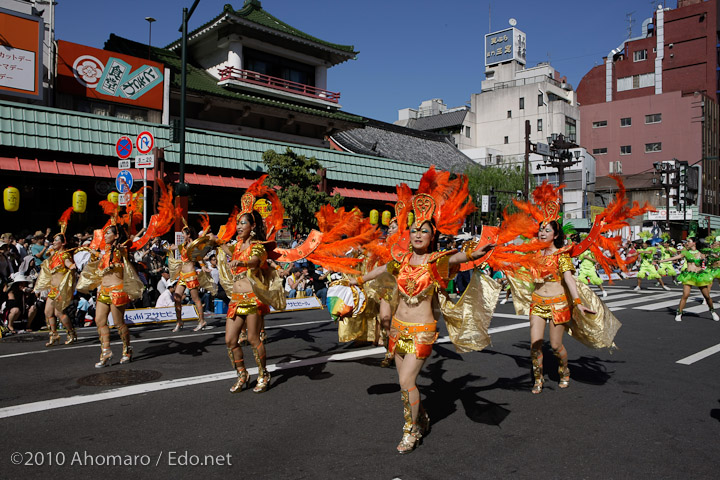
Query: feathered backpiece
x,y
227,231
64,219
339,231
613,218
442,200
161,222
274,221
205,222
133,213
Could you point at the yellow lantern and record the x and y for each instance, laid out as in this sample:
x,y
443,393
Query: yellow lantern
x,y
11,199
139,200
79,201
386,216
411,218
374,217
113,197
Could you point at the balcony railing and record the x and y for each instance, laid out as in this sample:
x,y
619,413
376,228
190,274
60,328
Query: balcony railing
x,y
248,76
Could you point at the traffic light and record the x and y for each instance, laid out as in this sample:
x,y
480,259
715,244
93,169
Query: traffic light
x,y
493,203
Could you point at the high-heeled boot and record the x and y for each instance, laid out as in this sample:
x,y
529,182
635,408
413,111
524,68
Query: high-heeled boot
x,y
54,335
124,332
563,370
242,373
71,336
537,369
412,434
105,352
263,381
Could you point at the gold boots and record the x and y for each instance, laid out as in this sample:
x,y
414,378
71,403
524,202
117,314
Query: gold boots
x,y
537,369
263,381
563,370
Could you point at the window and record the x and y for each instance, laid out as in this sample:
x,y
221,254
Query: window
x,y
625,150
467,132
507,140
653,147
509,114
600,123
522,103
625,122
570,129
541,100
640,55
600,151
653,118
636,81
539,125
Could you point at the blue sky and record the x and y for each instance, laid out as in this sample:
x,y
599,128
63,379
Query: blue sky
x,y
410,50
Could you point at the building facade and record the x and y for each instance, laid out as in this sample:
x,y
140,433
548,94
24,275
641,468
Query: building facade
x,y
655,99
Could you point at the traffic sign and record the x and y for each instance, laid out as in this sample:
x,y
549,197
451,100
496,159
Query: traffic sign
x,y
145,161
145,142
124,181
124,164
543,149
124,147
485,203
124,199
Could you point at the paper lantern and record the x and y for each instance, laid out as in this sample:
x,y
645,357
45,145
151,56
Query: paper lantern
x,y
79,201
386,216
113,197
11,199
374,217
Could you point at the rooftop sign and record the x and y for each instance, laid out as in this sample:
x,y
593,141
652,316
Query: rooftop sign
x,y
504,46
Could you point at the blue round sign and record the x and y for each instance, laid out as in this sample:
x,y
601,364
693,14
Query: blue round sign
x,y
124,181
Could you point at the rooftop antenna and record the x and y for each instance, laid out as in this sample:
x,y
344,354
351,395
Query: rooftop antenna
x,y
630,23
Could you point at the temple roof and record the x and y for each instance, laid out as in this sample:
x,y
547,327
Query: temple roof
x,y
253,16
198,80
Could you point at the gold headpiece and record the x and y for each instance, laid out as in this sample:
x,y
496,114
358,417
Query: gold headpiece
x,y
247,204
424,208
551,212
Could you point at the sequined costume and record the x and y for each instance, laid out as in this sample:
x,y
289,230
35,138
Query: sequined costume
x,y
554,308
248,303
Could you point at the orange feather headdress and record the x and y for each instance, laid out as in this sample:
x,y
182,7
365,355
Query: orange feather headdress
x,y
274,221
442,201
64,219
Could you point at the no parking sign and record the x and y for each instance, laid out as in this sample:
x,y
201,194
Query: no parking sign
x,y
124,147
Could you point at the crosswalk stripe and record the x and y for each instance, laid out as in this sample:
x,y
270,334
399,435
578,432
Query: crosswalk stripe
x,y
643,298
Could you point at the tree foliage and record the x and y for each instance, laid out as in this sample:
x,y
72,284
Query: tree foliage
x,y
506,182
298,178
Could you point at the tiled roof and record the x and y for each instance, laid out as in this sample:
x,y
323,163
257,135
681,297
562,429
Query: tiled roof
x,y
391,141
436,122
252,11
198,80
50,129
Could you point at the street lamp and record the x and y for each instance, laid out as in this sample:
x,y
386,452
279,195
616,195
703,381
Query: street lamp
x,y
150,21
561,158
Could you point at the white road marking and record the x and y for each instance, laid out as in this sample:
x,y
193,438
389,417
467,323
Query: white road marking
x,y
44,405
637,300
154,339
700,355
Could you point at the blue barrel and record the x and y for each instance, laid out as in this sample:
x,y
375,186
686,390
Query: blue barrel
x,y
220,306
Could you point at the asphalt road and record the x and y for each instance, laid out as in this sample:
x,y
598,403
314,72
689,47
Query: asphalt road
x,y
332,412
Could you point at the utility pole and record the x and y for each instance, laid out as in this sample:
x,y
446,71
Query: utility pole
x,y
182,187
528,146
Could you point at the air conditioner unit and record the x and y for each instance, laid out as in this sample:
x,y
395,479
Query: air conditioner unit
x,y
611,167
618,166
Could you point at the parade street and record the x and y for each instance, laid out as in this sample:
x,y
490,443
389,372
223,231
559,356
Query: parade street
x,y
650,409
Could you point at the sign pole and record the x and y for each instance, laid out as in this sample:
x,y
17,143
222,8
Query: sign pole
x,y
144,197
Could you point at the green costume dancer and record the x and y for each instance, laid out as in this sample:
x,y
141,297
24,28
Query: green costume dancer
x,y
647,266
694,276
666,269
587,271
